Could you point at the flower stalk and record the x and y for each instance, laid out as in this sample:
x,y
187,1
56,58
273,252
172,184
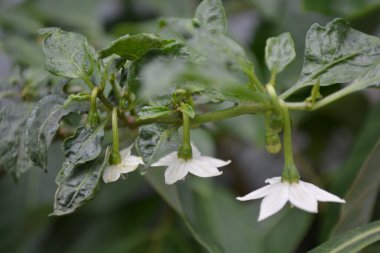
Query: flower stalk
x,y
115,157
93,118
185,150
290,173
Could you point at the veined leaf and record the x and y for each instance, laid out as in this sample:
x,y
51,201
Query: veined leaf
x,y
211,15
134,78
336,53
67,54
154,140
13,157
204,208
361,197
78,183
188,110
279,52
352,171
340,8
352,241
370,79
85,145
42,124
152,112
134,46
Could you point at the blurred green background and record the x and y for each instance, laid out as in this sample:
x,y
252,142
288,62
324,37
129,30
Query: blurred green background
x,y
337,147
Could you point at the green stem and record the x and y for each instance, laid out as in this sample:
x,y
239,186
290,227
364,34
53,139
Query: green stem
x,y
100,95
115,157
115,89
186,129
335,96
273,78
242,109
290,172
93,118
325,101
290,91
185,150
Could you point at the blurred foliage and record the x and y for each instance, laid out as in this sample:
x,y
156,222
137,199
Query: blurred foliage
x,y
339,144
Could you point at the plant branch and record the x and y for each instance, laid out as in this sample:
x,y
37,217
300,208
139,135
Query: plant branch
x,y
247,108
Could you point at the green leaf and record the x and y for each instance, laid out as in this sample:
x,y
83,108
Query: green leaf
x,y
67,54
336,53
211,15
13,158
208,212
340,8
78,183
85,145
370,79
133,47
152,112
154,140
361,198
347,175
279,52
42,124
173,51
352,241
188,110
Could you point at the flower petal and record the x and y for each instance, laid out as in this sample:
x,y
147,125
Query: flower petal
x,y
175,172
195,150
126,152
274,201
257,194
302,198
273,180
133,160
202,169
166,160
213,161
322,195
111,174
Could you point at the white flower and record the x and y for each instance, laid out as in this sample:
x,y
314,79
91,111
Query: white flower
x,y
303,195
201,166
128,163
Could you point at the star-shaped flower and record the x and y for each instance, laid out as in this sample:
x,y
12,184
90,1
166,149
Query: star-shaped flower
x,y
303,195
201,166
128,163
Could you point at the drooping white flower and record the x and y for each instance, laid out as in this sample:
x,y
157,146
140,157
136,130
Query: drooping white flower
x,y
302,195
128,163
201,166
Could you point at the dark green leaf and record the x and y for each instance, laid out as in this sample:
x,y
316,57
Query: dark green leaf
x,y
352,241
133,47
342,8
77,184
361,197
154,140
134,71
23,51
370,79
42,124
336,53
211,15
85,145
205,208
152,112
13,158
357,160
279,52
188,110
67,54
